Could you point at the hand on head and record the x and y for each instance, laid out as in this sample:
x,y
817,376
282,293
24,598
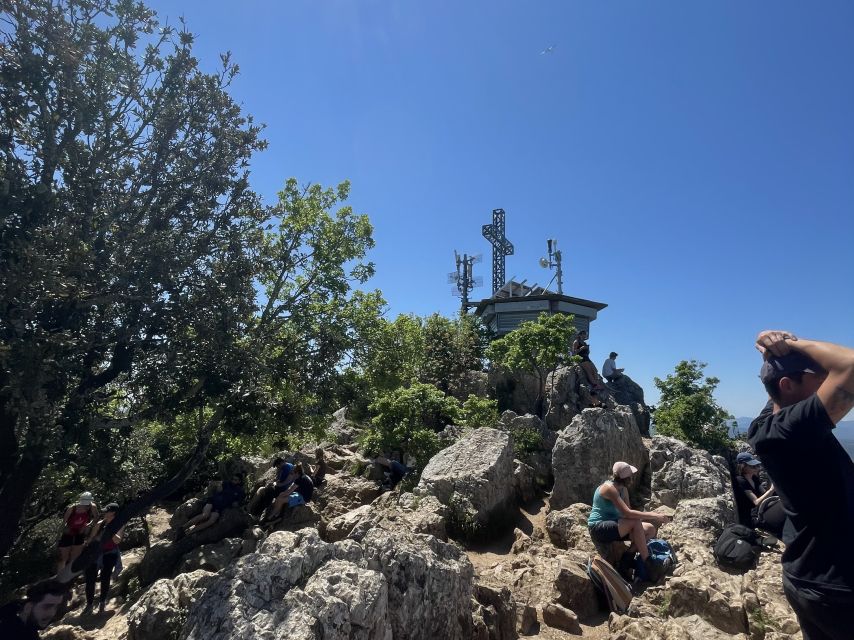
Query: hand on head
x,y
774,343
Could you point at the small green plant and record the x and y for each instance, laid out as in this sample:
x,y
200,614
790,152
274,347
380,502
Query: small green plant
x,y
526,441
664,607
462,520
479,412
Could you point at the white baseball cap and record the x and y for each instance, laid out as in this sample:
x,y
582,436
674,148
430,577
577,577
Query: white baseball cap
x,y
623,469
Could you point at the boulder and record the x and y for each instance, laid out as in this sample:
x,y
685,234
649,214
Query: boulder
x,y
680,472
383,586
475,473
67,632
561,618
526,619
393,511
500,621
764,601
567,528
162,558
135,534
340,527
161,611
185,511
574,588
710,593
211,557
691,627
296,518
586,450
343,430
523,482
539,458
131,562
344,492
626,391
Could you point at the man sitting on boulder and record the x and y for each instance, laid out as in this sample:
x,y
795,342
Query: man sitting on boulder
x,y
609,368
811,388
231,495
397,471
265,494
299,493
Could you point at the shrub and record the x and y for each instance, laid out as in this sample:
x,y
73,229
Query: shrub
x,y
479,412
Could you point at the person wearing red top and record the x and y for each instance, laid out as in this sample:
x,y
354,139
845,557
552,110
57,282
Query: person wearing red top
x,y
109,558
76,519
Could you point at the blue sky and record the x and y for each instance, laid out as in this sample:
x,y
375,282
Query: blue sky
x,y
694,160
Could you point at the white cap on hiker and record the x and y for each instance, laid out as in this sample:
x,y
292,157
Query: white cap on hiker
x,y
623,469
85,499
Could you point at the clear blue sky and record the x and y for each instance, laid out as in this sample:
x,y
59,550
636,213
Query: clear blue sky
x,y
694,160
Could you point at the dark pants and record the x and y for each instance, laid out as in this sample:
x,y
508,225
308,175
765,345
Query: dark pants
x,y
822,616
108,564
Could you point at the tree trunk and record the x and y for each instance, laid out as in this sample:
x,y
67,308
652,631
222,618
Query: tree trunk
x,y
14,494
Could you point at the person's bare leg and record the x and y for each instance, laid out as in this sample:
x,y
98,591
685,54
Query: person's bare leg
x,y
64,553
636,535
204,515
211,520
278,504
649,530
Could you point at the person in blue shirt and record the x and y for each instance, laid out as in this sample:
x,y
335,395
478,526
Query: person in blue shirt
x,y
299,493
231,495
267,493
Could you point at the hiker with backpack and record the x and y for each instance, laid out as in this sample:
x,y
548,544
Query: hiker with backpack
x,y
299,493
612,518
811,388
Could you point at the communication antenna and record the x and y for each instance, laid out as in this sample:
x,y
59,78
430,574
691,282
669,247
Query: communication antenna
x,y
554,262
464,279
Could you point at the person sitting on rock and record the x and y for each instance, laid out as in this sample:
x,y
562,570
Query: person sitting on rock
x,y
299,493
757,506
612,518
266,494
231,495
107,562
397,471
22,619
609,368
319,475
581,349
76,519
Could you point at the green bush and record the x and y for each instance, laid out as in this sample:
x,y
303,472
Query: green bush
x,y
479,412
406,420
526,441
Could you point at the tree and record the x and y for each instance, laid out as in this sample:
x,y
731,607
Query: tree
x,y
687,409
452,348
538,347
132,246
406,420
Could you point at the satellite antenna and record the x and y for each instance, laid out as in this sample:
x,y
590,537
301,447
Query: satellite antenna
x,y
554,262
464,279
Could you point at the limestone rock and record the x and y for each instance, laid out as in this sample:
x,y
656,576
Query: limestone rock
x,y
393,511
567,528
66,632
340,527
135,534
501,624
574,589
764,600
342,429
526,618
344,492
561,618
160,613
211,557
523,482
540,458
680,472
691,627
299,517
587,449
478,471
189,509
712,594
626,391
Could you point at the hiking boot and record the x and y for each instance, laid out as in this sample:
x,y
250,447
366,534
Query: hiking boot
x,y
102,607
653,569
87,609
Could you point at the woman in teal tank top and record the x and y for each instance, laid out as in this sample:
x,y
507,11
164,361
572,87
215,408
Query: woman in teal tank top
x,y
612,517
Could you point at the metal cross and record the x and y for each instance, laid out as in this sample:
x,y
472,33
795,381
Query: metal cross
x,y
501,247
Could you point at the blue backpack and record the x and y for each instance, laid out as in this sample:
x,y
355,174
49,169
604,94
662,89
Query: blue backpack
x,y
663,559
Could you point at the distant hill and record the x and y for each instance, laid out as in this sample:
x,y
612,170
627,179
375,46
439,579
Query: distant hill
x,y
844,432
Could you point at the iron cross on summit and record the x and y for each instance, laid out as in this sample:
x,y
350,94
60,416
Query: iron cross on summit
x,y
501,247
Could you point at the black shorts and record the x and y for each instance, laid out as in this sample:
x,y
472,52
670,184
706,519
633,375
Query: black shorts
x,y
606,531
72,539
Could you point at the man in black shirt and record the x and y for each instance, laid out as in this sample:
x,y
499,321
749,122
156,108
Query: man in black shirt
x,y
811,388
22,620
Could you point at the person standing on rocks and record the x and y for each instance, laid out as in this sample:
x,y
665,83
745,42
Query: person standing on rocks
x,y
612,518
581,349
109,559
76,521
811,388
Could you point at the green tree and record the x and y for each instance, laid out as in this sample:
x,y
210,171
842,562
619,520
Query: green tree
x,y
479,412
537,347
406,420
688,410
452,348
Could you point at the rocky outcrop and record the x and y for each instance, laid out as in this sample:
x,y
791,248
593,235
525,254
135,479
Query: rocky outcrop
x,y
474,475
344,492
586,450
211,557
163,557
162,610
392,512
297,586
538,441
567,528
680,472
691,627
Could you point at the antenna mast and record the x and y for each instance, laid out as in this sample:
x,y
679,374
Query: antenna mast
x,y
463,278
554,261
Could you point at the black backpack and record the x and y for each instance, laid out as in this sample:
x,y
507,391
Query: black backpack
x,y
771,516
737,547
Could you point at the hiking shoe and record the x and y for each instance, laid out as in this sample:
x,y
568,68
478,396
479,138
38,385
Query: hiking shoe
x,y
87,609
102,607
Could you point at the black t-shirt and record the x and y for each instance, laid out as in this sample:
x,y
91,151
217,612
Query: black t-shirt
x,y
304,487
814,477
746,510
11,626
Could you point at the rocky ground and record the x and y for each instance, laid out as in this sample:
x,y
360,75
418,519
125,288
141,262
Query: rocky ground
x,y
487,546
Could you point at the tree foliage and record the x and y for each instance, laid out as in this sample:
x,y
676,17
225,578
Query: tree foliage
x,y
537,347
406,421
132,250
452,348
688,410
